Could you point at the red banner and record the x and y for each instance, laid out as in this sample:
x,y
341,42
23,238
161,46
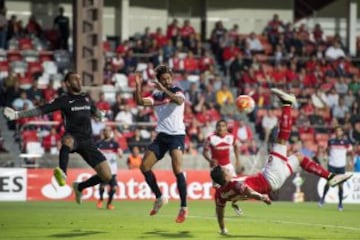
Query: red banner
x,y
41,185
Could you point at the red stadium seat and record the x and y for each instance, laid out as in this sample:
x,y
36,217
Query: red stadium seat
x,y
13,56
25,44
46,56
34,67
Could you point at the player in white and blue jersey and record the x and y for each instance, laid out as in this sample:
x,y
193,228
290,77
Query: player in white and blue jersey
x,y
168,102
111,150
338,148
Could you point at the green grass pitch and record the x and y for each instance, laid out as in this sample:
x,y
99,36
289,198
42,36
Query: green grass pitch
x,y
130,220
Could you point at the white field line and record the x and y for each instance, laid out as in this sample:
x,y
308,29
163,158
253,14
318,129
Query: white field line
x,y
276,221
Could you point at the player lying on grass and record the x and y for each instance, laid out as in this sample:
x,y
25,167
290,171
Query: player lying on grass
x,y
277,169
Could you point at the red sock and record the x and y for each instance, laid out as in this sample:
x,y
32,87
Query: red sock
x,y
312,167
285,123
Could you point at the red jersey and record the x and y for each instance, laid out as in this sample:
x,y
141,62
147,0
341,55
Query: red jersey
x,y
236,189
220,147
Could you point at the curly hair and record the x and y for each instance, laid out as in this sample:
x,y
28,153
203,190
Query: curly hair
x,y
161,69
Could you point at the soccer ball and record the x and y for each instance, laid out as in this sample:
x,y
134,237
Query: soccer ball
x,y
245,103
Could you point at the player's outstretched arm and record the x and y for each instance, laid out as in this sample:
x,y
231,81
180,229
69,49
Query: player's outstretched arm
x,y
220,218
12,114
258,196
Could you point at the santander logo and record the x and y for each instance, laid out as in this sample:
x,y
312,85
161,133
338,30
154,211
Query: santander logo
x,y
54,191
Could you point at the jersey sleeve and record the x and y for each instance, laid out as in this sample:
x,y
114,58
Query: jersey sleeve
x,y
56,104
240,188
179,92
219,201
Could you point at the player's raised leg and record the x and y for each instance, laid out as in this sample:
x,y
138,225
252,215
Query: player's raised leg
x,y
148,162
60,172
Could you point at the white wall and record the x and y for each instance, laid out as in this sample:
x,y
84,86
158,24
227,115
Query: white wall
x,y
250,15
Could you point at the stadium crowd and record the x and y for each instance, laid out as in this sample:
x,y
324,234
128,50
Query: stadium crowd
x,y
212,73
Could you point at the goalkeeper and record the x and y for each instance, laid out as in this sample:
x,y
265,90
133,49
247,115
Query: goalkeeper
x,y
77,110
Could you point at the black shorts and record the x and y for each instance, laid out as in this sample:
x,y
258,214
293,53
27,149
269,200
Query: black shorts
x,y
336,170
112,183
165,142
88,151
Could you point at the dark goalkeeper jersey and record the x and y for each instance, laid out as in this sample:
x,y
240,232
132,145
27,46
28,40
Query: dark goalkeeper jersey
x,y
76,111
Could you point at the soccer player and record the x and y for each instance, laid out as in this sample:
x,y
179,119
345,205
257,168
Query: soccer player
x,y
216,151
338,148
111,150
168,102
77,110
277,168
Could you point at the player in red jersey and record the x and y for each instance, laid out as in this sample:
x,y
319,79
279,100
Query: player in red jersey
x,y
217,149
277,168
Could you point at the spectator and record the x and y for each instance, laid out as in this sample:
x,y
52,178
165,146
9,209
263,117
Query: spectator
x,y
185,31
254,44
102,104
191,64
318,34
33,28
224,95
273,30
244,134
13,28
3,29
317,121
173,32
334,52
268,122
49,92
341,86
61,23
134,159
339,111
137,141
319,99
19,102
125,117
97,127
52,141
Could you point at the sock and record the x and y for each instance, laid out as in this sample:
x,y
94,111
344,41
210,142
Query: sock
x,y
312,167
326,189
181,184
285,123
64,157
111,195
151,181
341,191
101,193
94,180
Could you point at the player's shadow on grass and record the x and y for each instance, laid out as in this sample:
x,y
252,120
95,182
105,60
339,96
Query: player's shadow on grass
x,y
169,235
75,233
261,237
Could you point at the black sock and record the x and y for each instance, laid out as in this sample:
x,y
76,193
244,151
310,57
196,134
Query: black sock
x,y
111,195
94,180
151,181
101,193
326,189
341,191
64,157
181,184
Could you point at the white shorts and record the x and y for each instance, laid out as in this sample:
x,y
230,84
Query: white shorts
x,y
279,167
